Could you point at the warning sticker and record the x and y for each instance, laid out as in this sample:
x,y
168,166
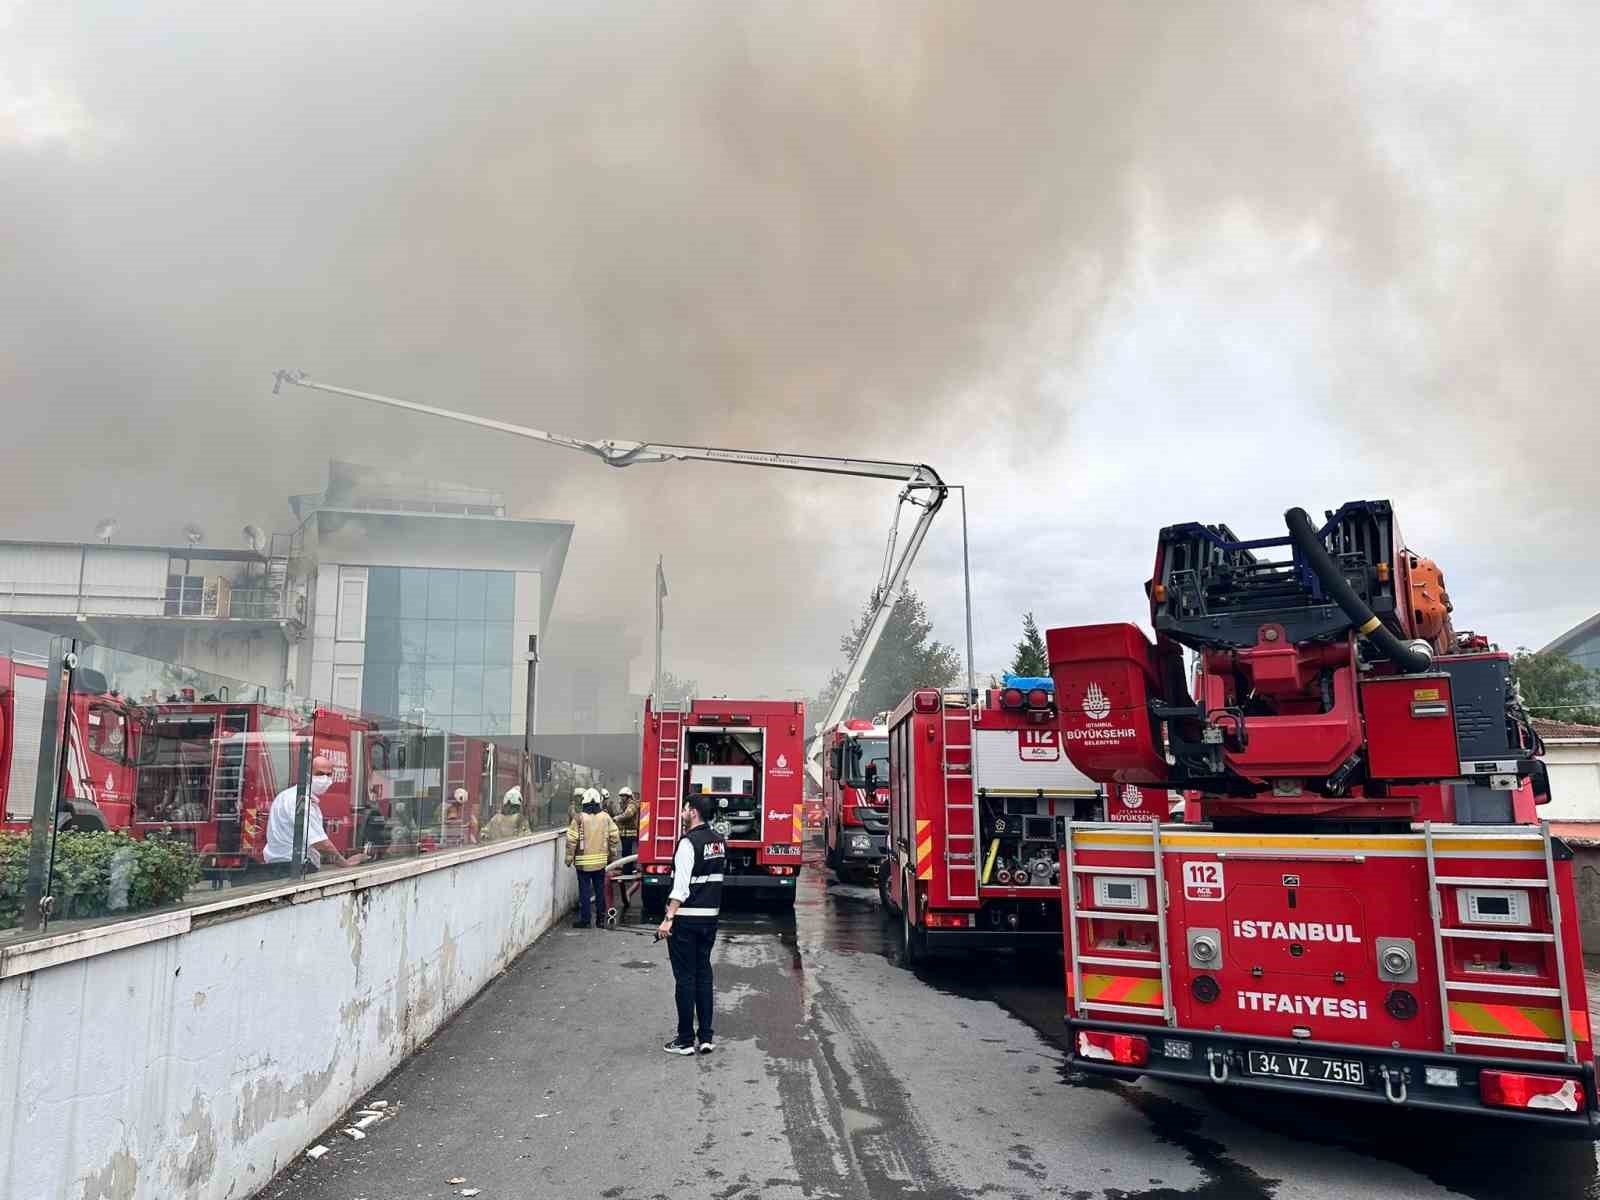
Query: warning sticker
x,y
1202,881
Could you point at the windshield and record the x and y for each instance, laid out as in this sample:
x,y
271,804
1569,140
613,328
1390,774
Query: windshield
x,y
866,762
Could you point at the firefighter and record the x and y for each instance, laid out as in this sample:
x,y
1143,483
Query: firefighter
x,y
454,830
509,821
592,842
693,906
626,812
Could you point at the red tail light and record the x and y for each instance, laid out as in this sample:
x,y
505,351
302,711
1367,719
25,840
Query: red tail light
x,y
947,920
852,815
1123,1048
658,868
925,701
1507,1089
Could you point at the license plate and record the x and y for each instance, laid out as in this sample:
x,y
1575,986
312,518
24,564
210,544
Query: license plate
x,y
1302,1066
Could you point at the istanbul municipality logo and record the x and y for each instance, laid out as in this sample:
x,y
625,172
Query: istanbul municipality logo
x,y
1095,705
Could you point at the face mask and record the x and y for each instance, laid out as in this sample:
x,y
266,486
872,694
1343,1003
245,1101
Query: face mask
x,y
320,784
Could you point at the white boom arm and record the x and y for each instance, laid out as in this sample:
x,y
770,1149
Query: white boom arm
x,y
921,488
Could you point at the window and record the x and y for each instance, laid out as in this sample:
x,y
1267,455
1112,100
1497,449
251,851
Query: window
x,y
347,687
352,625
439,647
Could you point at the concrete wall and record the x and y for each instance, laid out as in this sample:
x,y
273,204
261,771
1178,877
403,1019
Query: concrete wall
x,y
195,1064
1574,768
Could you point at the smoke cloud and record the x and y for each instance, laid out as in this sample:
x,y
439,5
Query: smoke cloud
x,y
1113,265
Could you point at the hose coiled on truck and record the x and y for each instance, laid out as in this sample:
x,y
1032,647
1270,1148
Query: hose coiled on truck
x,y
1303,534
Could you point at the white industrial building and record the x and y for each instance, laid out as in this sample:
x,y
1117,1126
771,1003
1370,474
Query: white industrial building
x,y
392,594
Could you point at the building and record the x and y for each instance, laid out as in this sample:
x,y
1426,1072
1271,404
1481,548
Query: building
x,y
1581,643
423,599
1572,756
393,594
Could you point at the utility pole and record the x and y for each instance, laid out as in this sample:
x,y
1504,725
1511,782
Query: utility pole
x,y
661,594
966,582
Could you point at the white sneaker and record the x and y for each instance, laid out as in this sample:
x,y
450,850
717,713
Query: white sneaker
x,y
706,1047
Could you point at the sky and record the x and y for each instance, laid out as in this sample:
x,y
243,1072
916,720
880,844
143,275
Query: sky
x,y
1111,266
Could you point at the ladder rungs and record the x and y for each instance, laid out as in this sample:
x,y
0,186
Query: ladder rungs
x,y
1157,1010
1463,1039
1497,935
1148,871
1500,989
1099,960
1117,916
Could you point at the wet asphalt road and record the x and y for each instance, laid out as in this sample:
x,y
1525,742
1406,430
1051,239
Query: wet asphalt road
x,y
841,1074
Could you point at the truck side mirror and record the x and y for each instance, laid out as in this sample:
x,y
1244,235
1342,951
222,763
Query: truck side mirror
x,y
836,760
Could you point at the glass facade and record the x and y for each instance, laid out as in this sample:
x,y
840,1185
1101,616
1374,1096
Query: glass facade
x,y
440,648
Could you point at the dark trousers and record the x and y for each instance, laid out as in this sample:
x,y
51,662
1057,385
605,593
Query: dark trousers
x,y
595,882
690,950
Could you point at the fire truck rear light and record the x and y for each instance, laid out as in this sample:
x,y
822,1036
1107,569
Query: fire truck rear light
x,y
1123,1048
1441,1077
1172,1048
1038,698
926,701
658,868
1012,698
1508,1089
946,920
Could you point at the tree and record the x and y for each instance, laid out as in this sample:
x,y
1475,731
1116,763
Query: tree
x,y
1557,688
1030,658
905,658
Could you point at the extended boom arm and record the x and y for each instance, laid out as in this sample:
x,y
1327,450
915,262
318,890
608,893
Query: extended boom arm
x,y
921,487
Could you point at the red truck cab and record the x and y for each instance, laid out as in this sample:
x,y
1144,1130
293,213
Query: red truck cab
x,y
855,796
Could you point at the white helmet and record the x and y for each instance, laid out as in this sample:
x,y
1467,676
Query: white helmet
x,y
512,798
625,790
592,796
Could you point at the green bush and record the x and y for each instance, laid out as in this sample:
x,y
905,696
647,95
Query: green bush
x,y
99,873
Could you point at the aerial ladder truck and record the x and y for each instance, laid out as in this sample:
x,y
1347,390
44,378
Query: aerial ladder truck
x,y
1360,899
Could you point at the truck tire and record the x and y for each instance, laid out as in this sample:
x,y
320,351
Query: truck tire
x,y
883,885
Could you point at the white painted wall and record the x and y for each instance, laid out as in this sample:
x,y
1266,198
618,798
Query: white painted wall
x,y
196,1066
1574,781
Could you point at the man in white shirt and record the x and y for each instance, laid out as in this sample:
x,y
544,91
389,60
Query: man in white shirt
x,y
280,824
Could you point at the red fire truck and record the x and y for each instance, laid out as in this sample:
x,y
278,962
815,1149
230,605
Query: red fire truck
x,y
102,732
975,790
855,796
207,772
1359,900
747,755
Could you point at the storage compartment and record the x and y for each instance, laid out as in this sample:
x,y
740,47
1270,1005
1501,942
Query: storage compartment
x,y
1411,731
1105,676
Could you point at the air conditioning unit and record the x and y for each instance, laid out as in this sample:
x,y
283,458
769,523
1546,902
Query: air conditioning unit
x,y
215,597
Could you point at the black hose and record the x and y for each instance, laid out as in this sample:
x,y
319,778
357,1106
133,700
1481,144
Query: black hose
x,y
1304,535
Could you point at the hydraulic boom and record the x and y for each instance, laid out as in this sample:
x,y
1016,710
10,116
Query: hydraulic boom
x,y
921,488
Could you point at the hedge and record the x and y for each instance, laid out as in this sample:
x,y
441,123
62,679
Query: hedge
x,y
99,873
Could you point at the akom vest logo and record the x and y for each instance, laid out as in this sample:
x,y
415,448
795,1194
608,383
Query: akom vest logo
x,y
1095,705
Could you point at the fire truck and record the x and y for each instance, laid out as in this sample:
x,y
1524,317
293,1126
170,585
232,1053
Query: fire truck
x,y
207,772
1359,900
102,731
855,796
976,787
748,756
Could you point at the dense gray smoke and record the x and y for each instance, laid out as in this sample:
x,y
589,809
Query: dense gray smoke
x,y
945,233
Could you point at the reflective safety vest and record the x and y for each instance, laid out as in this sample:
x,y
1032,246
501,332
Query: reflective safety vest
x,y
705,875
